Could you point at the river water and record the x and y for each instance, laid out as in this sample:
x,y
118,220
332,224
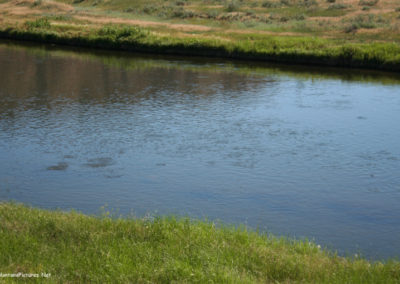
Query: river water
x,y
295,151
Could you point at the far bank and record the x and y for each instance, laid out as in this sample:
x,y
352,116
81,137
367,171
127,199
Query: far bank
x,y
288,50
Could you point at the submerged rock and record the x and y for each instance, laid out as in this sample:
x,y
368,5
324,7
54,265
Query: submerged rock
x,y
61,166
100,162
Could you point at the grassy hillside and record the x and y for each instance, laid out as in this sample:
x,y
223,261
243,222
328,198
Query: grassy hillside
x,y
75,248
364,33
355,20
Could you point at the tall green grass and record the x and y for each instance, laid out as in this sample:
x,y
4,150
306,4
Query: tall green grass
x,y
75,248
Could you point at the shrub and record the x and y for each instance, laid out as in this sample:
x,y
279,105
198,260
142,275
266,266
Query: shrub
x,y
337,6
149,9
352,28
36,3
180,3
213,14
232,6
300,17
308,3
285,2
182,13
368,2
269,4
284,19
331,1
367,21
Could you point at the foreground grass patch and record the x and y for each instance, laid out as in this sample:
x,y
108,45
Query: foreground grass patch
x,y
77,248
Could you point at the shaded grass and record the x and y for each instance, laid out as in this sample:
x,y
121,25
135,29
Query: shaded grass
x,y
290,49
78,248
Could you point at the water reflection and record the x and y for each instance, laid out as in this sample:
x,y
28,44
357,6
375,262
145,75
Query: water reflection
x,y
295,153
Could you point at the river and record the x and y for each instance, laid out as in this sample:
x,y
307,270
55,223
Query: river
x,y
303,152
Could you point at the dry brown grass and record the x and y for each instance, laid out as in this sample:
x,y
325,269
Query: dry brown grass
x,y
250,18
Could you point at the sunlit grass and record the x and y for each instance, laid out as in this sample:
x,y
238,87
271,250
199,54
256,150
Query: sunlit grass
x,y
76,248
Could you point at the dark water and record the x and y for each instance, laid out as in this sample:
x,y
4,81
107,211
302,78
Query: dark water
x,y
286,150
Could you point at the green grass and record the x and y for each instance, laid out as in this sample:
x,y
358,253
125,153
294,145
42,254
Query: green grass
x,y
76,248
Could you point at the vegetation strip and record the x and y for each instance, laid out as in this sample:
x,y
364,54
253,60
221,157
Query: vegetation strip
x,y
296,50
344,33
72,247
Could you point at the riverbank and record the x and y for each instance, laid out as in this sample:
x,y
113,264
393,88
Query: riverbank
x,y
72,247
291,50
340,34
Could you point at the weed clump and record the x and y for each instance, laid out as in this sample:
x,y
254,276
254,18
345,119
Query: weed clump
x,y
120,32
41,23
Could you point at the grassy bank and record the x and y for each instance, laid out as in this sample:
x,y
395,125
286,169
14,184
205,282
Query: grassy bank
x,y
360,34
296,50
76,248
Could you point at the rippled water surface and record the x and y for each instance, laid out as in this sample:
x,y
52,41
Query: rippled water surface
x,y
302,153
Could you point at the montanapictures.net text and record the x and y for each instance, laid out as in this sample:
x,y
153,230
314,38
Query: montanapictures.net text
x,y
24,275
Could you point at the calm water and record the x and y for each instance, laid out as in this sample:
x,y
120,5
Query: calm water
x,y
292,152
